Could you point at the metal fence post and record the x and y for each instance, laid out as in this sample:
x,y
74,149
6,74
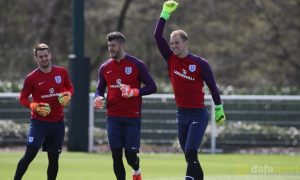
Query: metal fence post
x,y
213,128
91,123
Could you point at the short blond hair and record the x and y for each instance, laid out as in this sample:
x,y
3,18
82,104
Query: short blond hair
x,y
40,47
181,33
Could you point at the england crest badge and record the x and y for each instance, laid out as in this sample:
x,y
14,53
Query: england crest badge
x,y
192,67
57,79
128,70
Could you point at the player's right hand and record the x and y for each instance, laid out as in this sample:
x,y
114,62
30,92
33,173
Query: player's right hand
x,y
42,109
99,102
168,7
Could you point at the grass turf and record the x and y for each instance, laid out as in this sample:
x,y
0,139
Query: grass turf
x,y
86,166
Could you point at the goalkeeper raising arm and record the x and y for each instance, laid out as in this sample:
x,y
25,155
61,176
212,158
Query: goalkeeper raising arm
x,y
187,73
51,89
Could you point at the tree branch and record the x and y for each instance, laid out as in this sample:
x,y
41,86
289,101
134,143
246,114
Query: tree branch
x,y
120,27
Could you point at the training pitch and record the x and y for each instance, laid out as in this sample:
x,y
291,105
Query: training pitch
x,y
98,166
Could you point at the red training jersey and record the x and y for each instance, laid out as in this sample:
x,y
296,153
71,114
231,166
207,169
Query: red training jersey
x,y
130,71
187,82
187,74
46,87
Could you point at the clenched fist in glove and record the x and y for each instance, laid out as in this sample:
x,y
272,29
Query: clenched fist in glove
x,y
42,109
64,98
128,92
168,8
98,102
219,114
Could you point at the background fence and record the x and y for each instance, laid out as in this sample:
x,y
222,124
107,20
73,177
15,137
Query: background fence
x,y
252,121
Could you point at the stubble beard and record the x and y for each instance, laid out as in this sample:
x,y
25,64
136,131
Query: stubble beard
x,y
45,65
115,55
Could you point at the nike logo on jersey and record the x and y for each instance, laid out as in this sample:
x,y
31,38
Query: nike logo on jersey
x,y
40,83
108,72
195,122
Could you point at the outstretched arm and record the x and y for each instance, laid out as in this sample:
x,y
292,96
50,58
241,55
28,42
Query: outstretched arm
x,y
161,42
168,8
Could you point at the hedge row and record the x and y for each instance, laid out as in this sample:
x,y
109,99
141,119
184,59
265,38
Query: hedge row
x,y
231,136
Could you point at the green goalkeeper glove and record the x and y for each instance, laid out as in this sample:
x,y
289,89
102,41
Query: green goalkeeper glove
x,y
219,114
168,8
42,109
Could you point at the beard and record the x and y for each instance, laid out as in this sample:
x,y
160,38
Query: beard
x,y
45,64
115,54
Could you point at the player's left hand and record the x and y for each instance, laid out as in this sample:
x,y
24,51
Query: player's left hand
x,y
128,92
220,117
64,98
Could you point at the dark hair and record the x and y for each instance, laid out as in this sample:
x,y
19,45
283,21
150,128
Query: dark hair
x,y
40,47
116,36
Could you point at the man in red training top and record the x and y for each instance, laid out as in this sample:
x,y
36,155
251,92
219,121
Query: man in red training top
x,y
123,75
51,90
188,73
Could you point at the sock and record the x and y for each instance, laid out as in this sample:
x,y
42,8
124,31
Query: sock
x,y
137,172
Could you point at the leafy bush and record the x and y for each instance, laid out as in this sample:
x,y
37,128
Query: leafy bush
x,y
100,136
165,87
12,133
229,137
10,86
242,135
239,135
230,90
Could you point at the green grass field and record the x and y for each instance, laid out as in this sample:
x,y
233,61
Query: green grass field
x,y
84,166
